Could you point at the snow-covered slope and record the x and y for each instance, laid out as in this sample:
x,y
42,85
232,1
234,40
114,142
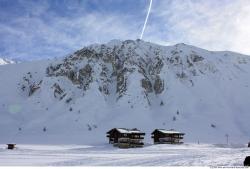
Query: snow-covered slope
x,y
4,61
107,155
127,84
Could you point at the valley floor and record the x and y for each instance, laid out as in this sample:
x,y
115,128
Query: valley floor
x,y
107,155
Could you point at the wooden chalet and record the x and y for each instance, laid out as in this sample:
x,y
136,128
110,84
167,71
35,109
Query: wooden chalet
x,y
162,136
126,138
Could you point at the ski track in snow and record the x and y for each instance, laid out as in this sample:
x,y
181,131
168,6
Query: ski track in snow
x,y
107,155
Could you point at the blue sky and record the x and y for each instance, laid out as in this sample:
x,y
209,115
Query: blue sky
x,y
35,29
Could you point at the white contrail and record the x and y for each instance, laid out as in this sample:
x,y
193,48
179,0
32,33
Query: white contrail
x,y
146,20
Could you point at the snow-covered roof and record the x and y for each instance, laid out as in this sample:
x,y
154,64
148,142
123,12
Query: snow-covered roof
x,y
169,131
123,130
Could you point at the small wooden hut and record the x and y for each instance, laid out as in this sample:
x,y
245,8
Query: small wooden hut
x,y
162,136
126,138
11,146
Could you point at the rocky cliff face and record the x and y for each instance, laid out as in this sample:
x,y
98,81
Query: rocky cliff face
x,y
111,65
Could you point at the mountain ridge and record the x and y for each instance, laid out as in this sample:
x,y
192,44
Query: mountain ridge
x,y
4,61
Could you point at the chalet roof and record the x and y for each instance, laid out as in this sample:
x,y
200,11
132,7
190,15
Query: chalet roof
x,y
171,131
122,130
127,131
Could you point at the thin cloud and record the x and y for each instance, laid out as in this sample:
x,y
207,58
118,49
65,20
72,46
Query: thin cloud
x,y
213,25
146,20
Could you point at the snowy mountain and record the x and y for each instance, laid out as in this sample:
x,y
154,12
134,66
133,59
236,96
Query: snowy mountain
x,y
4,61
127,84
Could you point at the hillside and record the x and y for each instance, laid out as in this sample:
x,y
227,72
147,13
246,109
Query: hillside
x,y
127,84
4,61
